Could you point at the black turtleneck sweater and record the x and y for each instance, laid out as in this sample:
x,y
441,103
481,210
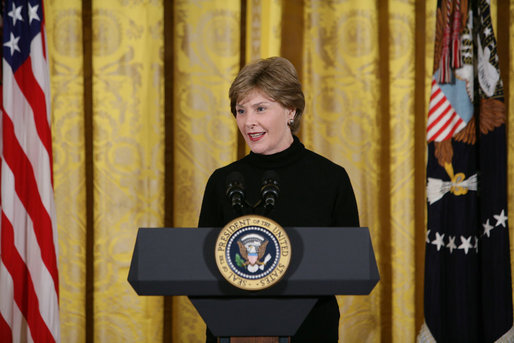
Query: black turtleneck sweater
x,y
313,192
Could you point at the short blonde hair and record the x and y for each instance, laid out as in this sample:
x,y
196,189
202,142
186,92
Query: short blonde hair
x,y
277,78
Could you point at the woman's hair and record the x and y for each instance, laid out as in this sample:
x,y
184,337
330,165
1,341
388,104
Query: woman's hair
x,y
277,78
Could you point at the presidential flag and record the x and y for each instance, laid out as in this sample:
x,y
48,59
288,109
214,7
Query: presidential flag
x,y
468,295
29,285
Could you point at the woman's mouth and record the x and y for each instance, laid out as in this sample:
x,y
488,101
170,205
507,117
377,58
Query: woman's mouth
x,y
255,136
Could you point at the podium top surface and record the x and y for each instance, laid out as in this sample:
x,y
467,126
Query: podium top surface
x,y
324,261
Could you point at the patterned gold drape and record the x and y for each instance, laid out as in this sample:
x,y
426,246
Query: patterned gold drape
x,y
365,66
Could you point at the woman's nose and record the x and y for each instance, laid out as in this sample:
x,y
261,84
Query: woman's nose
x,y
251,119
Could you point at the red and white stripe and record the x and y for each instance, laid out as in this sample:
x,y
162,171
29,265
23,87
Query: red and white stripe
x,y
443,121
29,286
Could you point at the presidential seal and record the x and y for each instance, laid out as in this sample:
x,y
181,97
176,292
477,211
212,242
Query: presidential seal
x,y
252,252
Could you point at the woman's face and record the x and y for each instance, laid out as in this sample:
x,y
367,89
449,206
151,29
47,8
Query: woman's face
x,y
263,123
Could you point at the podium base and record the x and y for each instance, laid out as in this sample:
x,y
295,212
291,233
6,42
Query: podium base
x,y
254,340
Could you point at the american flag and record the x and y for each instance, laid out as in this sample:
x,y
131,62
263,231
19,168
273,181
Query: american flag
x,y
29,283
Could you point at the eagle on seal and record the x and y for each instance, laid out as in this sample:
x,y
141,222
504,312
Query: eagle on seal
x,y
253,253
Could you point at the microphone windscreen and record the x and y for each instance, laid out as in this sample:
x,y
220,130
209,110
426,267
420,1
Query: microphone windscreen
x,y
235,177
270,176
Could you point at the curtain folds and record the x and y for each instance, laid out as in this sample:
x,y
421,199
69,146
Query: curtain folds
x,y
66,59
365,67
206,59
128,159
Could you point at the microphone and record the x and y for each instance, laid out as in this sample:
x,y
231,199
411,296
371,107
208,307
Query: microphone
x,y
269,189
235,190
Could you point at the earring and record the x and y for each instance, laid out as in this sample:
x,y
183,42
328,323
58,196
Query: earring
x,y
290,122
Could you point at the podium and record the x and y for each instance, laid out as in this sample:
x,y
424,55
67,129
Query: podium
x,y
325,261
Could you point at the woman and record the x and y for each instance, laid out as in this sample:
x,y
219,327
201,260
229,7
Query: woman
x,y
267,101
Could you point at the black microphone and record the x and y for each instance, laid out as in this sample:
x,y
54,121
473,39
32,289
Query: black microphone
x,y
269,189
235,190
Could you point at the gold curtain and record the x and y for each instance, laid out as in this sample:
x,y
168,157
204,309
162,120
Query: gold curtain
x,y
65,56
122,131
206,50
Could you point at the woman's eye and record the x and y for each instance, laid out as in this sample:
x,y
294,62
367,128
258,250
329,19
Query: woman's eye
x,y
240,111
260,108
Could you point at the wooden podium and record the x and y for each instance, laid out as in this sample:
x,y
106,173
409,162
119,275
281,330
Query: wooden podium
x,y
324,261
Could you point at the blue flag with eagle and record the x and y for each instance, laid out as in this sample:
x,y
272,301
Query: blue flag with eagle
x,y
467,290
